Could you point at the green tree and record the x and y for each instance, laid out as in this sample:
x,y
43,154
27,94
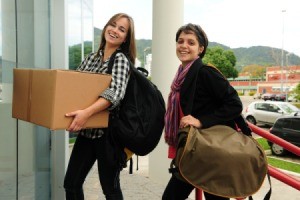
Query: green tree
x,y
255,71
224,60
74,56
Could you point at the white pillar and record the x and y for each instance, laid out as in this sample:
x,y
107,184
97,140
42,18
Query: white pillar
x,y
167,18
59,59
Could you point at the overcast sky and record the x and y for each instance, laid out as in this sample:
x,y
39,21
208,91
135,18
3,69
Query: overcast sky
x,y
234,23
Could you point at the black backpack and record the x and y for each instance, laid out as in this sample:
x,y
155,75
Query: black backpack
x,y
138,122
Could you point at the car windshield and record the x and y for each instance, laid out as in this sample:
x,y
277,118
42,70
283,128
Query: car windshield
x,y
289,108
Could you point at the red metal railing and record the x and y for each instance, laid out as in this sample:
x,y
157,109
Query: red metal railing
x,y
279,175
267,135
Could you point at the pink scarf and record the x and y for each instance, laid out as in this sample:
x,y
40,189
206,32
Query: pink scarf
x,y
172,116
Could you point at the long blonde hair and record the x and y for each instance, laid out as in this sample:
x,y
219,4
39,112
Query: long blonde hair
x,y
129,46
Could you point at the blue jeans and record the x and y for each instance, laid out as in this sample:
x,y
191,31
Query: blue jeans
x,y
84,154
179,190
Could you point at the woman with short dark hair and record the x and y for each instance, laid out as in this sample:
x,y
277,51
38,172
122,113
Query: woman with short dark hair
x,y
200,96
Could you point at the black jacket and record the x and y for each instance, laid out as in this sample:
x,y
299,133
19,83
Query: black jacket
x,y
208,96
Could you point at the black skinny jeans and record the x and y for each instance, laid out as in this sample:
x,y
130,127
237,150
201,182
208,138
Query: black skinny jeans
x,y
179,190
84,154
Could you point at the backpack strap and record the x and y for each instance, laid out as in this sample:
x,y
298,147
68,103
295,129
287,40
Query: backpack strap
x,y
112,60
268,195
109,71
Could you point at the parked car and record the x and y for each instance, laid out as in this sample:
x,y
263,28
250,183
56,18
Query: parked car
x,y
268,96
292,98
268,112
280,97
287,128
257,96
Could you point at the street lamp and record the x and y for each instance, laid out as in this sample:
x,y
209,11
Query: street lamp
x,y
286,75
145,50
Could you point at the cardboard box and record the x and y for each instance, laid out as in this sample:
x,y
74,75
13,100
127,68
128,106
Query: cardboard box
x,y
43,96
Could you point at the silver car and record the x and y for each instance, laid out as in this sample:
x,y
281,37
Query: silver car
x,y
268,112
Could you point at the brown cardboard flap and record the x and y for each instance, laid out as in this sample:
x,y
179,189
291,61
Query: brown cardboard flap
x,y
21,91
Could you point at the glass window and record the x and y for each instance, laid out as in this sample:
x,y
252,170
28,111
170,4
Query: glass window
x,y
286,123
75,33
295,124
88,27
261,106
8,133
33,51
279,124
81,31
289,108
24,147
273,108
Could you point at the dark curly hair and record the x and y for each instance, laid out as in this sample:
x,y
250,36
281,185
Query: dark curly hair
x,y
198,31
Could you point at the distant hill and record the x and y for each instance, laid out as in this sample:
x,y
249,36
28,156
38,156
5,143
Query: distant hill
x,y
256,55
260,55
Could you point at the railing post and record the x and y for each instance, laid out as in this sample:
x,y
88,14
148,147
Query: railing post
x,y
198,194
288,146
273,138
284,178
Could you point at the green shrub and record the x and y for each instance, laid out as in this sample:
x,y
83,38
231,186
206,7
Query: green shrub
x,y
297,104
251,93
72,140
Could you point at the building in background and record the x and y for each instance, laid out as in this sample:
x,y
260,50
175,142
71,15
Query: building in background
x,y
148,63
280,81
245,83
276,81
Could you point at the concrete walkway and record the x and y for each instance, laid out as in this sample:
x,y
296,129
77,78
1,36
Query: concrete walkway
x,y
138,186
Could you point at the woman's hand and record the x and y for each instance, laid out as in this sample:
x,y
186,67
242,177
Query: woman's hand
x,y
189,120
80,118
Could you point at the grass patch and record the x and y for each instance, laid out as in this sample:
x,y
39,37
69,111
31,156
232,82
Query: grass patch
x,y
278,163
263,143
289,166
72,140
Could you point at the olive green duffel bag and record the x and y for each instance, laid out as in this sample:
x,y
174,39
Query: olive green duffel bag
x,y
220,161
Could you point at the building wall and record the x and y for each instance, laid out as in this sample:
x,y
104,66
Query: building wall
x,y
245,85
280,80
290,73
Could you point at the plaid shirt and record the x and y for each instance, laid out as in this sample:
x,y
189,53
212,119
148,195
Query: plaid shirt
x,y
116,91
